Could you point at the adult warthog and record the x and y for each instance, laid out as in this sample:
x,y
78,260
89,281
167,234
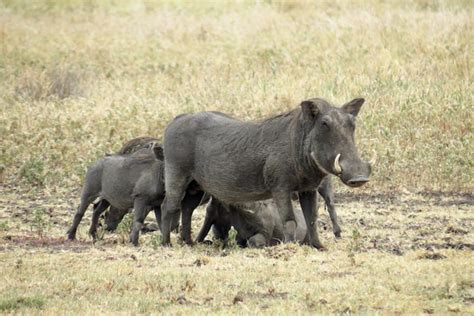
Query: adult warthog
x,y
114,216
237,161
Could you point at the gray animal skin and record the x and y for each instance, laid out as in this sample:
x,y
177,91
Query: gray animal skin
x,y
238,162
257,223
123,181
114,216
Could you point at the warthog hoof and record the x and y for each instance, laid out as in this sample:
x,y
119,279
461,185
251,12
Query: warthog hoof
x,y
71,235
165,243
134,238
189,243
320,247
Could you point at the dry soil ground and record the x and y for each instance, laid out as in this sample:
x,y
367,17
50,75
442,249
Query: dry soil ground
x,y
400,253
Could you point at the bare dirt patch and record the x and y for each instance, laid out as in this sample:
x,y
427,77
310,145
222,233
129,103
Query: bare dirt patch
x,y
391,223
49,243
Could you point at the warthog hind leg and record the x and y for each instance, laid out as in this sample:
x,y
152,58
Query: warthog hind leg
x,y
141,211
176,185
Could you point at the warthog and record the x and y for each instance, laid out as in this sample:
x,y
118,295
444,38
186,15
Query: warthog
x,y
123,181
238,162
255,223
261,217
114,216
194,196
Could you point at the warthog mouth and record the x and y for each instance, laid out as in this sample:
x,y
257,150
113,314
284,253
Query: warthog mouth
x,y
357,181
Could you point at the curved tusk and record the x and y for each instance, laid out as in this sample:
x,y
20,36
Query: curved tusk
x,y
337,166
373,160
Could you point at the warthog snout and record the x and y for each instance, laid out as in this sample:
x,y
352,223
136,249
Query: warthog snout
x,y
353,173
357,181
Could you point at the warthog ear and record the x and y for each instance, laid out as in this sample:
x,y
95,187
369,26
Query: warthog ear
x,y
158,150
310,109
353,107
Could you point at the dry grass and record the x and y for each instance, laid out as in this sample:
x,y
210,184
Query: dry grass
x,y
79,78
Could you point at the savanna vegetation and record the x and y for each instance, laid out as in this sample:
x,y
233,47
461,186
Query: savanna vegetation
x,y
79,78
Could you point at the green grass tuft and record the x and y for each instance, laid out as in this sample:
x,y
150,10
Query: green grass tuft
x,y
21,302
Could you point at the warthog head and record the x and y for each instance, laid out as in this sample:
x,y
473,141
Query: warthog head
x,y
329,143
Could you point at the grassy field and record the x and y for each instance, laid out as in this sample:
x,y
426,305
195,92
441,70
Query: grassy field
x,y
79,78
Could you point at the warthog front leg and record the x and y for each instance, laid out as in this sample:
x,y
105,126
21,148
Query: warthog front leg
x,y
309,206
325,189
334,219
98,210
113,217
211,214
215,215
86,199
287,215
